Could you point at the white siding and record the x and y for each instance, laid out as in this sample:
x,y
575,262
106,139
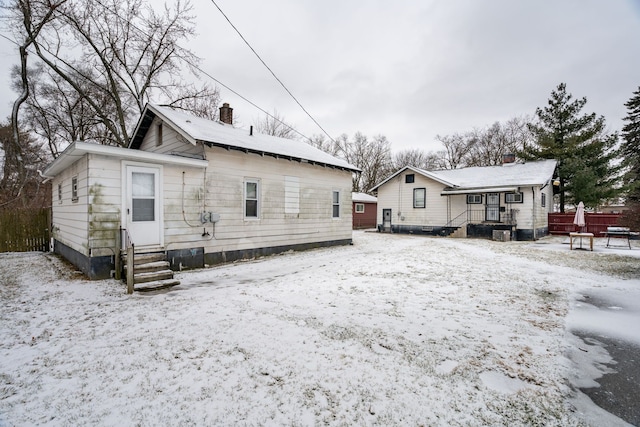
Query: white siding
x,y
223,194
69,218
105,203
397,195
172,142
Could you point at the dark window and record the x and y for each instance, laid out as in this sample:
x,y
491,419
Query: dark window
x,y
251,199
474,199
419,196
159,135
336,204
513,197
74,189
60,193
409,178
143,210
544,200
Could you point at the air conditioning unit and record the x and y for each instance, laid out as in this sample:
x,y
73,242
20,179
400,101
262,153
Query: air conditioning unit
x,y
501,235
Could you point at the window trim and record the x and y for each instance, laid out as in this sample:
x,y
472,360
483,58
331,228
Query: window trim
x,y
335,204
424,198
74,188
359,208
513,201
246,199
479,196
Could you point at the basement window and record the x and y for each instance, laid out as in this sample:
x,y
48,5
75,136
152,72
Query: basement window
x,y
359,207
419,196
74,189
513,197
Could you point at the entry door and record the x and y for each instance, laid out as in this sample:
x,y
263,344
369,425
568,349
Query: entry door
x,y
143,206
493,207
386,219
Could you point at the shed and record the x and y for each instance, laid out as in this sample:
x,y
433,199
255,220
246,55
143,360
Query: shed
x,y
364,210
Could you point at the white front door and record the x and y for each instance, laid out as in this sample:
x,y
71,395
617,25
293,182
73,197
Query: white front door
x,y
143,206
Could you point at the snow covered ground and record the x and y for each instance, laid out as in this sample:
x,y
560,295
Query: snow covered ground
x,y
393,330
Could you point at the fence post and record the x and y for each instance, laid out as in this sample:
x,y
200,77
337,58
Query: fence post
x,y
130,255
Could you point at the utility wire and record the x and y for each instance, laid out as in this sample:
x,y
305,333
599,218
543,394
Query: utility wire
x,y
271,71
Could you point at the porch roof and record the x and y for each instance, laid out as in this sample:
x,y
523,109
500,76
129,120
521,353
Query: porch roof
x,y
452,191
78,149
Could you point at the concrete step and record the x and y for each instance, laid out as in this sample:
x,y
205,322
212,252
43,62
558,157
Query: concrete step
x,y
155,285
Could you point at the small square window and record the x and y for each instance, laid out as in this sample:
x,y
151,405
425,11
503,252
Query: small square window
x,y
474,199
513,197
409,178
74,189
359,207
419,196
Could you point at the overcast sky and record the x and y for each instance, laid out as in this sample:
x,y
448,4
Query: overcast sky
x,y
411,70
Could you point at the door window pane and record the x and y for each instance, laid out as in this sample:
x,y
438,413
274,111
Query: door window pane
x,y
142,184
143,210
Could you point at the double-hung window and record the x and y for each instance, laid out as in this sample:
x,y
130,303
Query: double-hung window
x,y
251,198
335,202
419,196
74,189
543,200
474,199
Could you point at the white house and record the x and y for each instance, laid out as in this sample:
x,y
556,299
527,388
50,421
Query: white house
x,y
199,191
475,201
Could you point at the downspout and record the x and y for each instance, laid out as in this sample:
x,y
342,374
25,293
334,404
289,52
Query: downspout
x,y
533,211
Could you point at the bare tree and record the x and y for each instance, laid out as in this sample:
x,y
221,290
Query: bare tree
x,y
457,148
108,58
417,158
275,125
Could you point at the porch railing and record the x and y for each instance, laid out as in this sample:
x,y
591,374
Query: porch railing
x,y
125,245
478,216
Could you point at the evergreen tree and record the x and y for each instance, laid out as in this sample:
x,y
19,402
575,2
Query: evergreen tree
x,y
580,145
630,148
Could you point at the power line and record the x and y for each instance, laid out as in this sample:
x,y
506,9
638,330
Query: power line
x,y
270,70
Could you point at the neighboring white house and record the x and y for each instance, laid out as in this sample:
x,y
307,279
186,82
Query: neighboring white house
x,y
203,192
471,201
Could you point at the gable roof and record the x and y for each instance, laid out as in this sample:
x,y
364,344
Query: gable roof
x,y
219,134
496,178
363,198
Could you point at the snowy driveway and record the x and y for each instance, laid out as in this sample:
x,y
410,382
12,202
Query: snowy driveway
x,y
394,330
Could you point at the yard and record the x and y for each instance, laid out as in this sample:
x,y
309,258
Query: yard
x,y
393,330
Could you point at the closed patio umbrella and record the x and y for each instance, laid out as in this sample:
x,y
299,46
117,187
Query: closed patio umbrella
x,y
578,219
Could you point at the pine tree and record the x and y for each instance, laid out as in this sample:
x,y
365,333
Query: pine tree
x,y
630,152
584,152
630,147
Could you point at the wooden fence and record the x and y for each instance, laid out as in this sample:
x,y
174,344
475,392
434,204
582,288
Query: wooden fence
x,y
597,223
25,230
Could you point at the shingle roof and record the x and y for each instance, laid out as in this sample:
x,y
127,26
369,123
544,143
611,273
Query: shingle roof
x,y
195,128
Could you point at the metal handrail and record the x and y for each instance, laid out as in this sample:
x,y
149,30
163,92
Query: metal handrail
x,y
125,243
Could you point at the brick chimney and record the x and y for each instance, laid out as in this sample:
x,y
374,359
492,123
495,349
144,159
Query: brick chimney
x,y
508,158
226,114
